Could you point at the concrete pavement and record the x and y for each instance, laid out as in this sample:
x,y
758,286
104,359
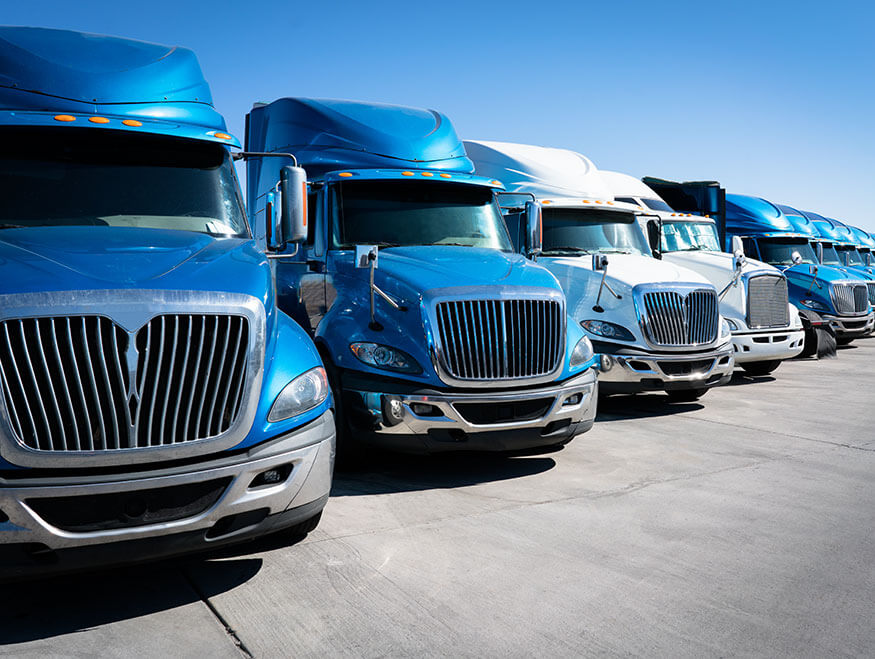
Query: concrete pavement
x,y
740,525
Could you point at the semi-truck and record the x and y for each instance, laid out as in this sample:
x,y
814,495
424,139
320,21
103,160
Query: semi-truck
x,y
656,325
822,293
766,328
437,336
154,399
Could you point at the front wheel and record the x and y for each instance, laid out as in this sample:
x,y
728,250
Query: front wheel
x,y
686,395
761,368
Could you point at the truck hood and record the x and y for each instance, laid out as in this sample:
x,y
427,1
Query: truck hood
x,y
75,258
409,271
628,269
717,267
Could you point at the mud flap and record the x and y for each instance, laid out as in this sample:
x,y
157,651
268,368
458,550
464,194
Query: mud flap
x,y
820,339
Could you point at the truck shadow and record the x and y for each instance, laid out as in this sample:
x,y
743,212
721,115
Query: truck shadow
x,y
637,406
742,378
42,609
385,473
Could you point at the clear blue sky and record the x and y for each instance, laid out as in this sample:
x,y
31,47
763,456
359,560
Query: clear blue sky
x,y
771,98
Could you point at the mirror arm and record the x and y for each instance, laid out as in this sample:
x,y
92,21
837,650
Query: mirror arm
x,y
285,256
245,155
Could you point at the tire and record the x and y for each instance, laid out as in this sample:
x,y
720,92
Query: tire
x,y
809,348
347,450
761,368
300,530
844,340
686,395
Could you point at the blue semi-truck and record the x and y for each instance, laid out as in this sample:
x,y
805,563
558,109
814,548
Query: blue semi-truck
x,y
436,334
154,399
822,293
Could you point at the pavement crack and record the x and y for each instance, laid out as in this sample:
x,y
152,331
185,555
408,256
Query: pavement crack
x,y
229,630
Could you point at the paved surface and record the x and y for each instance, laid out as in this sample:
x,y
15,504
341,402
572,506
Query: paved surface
x,y
739,526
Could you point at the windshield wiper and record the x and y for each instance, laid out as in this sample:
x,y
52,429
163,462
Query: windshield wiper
x,y
15,226
565,248
614,250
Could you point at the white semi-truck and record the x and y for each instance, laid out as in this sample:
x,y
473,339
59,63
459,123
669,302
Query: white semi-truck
x,y
656,324
766,328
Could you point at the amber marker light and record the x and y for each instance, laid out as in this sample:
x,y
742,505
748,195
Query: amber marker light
x,y
446,176
64,117
98,120
546,201
406,173
222,136
427,174
345,174
132,122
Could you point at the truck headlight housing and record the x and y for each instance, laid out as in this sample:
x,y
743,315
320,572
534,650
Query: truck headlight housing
x,y
385,357
582,353
725,329
607,330
814,305
300,395
733,326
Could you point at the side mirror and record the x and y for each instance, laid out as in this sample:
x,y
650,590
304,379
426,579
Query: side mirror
x,y
737,246
365,254
796,257
534,228
654,237
819,249
292,225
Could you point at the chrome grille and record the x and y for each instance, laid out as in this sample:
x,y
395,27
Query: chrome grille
x,y
767,302
672,318
850,298
500,339
871,286
82,383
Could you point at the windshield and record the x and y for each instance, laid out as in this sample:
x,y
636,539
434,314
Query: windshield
x,y
584,231
777,251
689,236
97,177
657,205
851,255
395,213
831,256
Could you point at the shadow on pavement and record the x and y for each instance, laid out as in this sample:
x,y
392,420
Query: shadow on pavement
x,y
42,609
743,378
384,473
637,406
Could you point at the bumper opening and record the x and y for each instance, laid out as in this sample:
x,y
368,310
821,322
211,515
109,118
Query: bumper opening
x,y
489,413
234,523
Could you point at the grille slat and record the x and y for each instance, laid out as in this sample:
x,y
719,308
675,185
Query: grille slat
x,y
767,302
67,382
850,298
871,288
499,339
671,318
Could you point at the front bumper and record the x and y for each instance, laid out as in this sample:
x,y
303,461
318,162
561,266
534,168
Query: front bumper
x,y
50,527
851,326
632,371
766,346
435,421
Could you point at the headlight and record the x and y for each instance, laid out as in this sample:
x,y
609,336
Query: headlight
x,y
724,327
607,330
301,394
582,353
732,325
814,304
385,357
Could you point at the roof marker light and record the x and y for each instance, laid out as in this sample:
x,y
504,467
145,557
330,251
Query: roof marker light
x,y
64,117
610,203
345,174
446,176
598,201
222,136
495,182
427,174
586,201
547,201
98,120
132,122
406,173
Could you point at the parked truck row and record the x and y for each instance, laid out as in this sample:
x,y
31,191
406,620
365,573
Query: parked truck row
x,y
180,369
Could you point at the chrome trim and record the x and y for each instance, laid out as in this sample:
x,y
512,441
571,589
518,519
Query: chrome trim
x,y
677,326
847,298
623,371
131,310
450,419
496,293
778,311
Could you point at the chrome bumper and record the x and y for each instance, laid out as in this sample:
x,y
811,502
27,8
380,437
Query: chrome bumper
x,y
308,452
449,421
766,346
851,326
632,371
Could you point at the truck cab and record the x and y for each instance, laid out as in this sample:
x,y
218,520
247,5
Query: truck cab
x,y
766,328
437,334
154,399
820,292
656,324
